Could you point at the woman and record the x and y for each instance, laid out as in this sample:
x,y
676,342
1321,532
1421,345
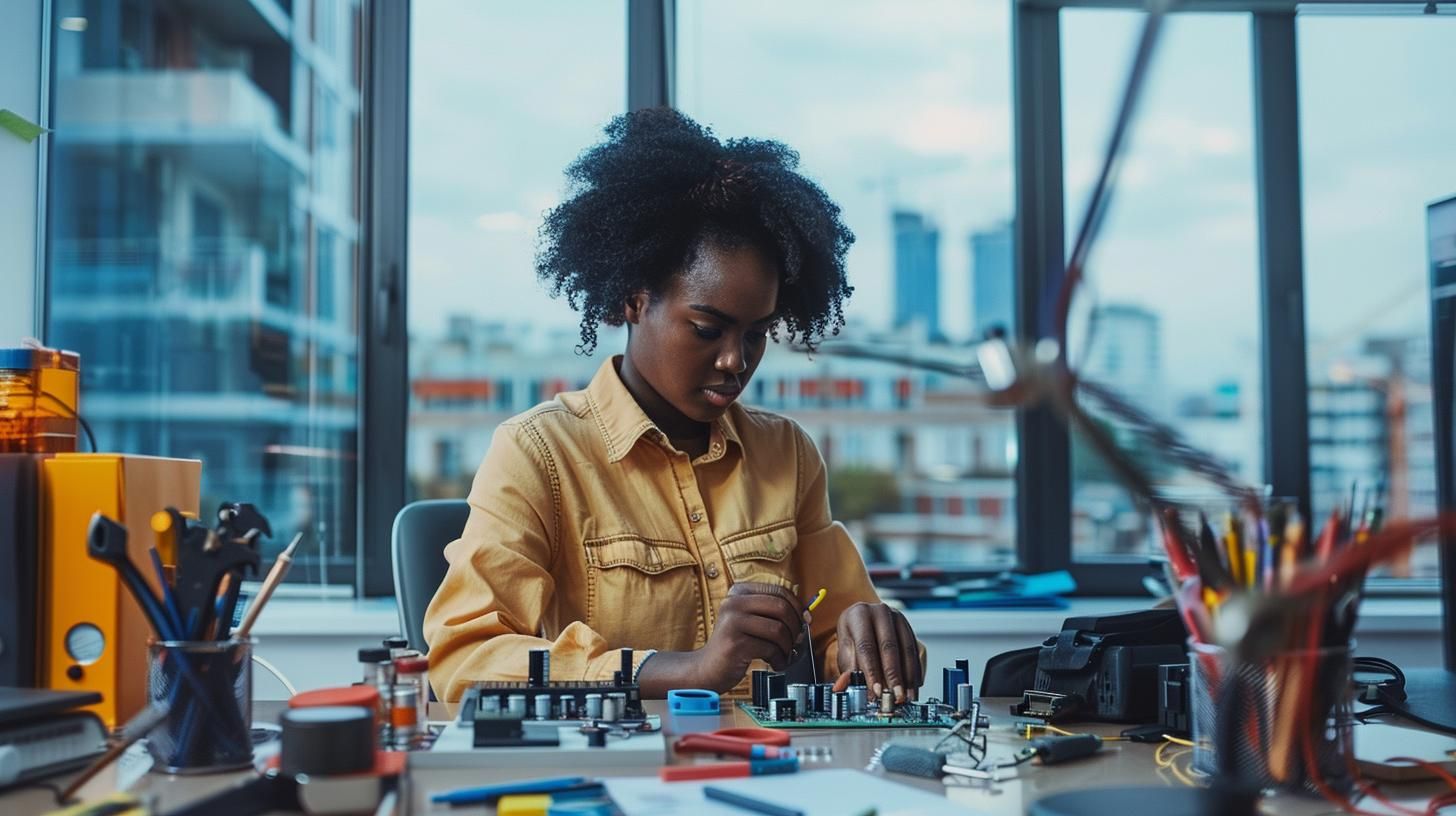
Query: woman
x,y
651,510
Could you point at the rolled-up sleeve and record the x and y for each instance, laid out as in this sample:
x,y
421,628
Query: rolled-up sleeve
x,y
487,613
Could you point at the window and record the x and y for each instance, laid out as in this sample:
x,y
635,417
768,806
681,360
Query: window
x,y
1376,131
201,235
902,112
502,99
1174,324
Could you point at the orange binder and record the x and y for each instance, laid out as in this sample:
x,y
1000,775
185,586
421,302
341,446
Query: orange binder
x,y
93,633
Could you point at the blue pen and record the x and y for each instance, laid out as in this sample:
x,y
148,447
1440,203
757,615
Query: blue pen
x,y
749,803
490,793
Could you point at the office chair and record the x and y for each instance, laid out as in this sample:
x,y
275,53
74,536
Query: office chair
x,y
417,544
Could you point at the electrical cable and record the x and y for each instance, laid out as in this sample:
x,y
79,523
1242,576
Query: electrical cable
x,y
273,670
71,412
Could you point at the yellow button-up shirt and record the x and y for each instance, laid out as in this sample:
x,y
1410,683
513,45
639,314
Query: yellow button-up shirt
x,y
589,532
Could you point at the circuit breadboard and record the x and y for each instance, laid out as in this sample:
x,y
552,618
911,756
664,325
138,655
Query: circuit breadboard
x,y
899,717
777,703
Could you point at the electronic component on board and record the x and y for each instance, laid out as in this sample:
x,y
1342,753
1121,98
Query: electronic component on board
x,y
839,706
539,667
965,696
782,709
950,678
799,693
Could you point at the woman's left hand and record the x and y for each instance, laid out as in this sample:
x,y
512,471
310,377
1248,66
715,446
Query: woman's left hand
x,y
877,640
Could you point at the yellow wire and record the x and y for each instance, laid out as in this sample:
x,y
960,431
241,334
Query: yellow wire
x,y
817,599
1178,741
1061,732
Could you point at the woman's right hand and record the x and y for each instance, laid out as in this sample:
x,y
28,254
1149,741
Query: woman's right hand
x,y
756,622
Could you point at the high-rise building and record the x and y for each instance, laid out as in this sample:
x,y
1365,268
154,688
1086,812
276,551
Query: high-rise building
x,y
204,231
993,301
1126,353
917,272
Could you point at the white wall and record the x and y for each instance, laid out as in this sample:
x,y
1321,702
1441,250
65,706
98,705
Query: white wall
x,y
20,72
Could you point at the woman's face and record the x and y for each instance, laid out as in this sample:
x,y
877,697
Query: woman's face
x,y
698,342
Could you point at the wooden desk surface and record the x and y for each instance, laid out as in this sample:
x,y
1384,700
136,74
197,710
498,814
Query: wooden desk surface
x,y
1118,763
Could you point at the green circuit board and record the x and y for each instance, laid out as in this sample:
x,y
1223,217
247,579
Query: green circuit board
x,y
899,718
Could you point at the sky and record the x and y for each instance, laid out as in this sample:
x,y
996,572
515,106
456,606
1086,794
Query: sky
x,y
908,104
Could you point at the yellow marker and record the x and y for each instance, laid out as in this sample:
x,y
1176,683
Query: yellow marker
x,y
817,599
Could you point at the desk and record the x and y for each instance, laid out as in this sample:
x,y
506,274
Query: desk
x,y
1118,764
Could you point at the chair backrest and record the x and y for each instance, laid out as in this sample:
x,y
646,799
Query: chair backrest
x,y
421,531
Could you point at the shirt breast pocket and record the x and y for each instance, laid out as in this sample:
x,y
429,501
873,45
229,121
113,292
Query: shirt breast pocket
x,y
642,592
763,555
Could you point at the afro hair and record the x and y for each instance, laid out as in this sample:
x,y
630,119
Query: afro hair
x,y
657,189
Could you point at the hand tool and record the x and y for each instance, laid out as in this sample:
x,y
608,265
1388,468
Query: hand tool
x,y
106,542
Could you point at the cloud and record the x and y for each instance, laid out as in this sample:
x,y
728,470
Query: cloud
x,y
939,128
505,221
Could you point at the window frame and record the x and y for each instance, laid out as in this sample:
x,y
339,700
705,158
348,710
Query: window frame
x,y
1043,472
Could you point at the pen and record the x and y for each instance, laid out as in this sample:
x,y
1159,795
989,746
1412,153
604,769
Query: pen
x,y
490,793
749,803
270,583
728,770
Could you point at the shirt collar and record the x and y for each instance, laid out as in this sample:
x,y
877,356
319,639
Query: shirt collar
x,y
622,421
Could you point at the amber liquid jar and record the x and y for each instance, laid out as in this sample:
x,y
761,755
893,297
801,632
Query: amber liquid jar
x,y
39,390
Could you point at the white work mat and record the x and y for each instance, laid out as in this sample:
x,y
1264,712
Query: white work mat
x,y
826,792
455,748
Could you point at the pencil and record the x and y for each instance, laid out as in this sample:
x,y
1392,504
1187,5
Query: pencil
x,y
275,577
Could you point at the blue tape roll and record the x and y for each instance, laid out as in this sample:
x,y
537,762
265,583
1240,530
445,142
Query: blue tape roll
x,y
692,702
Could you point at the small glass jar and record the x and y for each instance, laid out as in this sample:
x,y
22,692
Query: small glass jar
x,y
413,673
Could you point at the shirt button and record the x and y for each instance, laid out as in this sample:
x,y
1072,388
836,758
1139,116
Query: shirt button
x,y
712,570
696,517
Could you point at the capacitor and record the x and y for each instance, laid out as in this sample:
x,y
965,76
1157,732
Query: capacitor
x,y
626,667
568,708
782,709
950,678
543,706
965,694
620,698
593,706
778,685
820,694
839,705
857,678
799,693
610,712
887,702
489,704
516,706
858,700
539,673
760,688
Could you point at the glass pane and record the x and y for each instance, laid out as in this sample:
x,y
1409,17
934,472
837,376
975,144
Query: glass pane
x,y
1376,135
202,250
902,112
1174,276
495,118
